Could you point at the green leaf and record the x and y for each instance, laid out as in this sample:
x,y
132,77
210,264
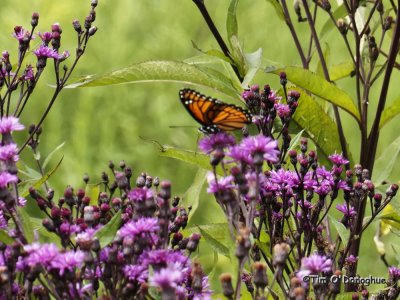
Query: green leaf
x,y
163,71
93,191
384,165
231,21
192,195
217,235
295,141
320,87
107,233
320,71
214,243
318,125
195,158
44,236
343,232
38,183
329,26
277,8
238,55
390,112
27,226
253,64
5,238
341,70
48,158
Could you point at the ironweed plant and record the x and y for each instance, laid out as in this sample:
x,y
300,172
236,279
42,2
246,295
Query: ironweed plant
x,y
369,33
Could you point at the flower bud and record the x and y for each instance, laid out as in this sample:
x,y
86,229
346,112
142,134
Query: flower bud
x,y
35,19
280,254
260,278
226,282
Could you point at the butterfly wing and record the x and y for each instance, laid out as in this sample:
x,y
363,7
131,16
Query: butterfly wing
x,y
213,114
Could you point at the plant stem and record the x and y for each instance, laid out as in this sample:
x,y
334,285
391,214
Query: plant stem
x,y
326,75
203,10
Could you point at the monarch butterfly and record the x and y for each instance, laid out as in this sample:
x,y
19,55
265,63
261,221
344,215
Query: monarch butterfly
x,y
213,114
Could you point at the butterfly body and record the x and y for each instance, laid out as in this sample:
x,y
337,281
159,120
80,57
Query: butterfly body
x,y
212,114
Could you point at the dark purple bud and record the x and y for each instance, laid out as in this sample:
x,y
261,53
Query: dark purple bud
x,y
193,242
355,296
86,178
283,78
35,19
65,213
122,180
243,243
260,278
49,225
326,5
56,28
55,212
141,181
77,26
105,207
86,200
227,288
165,191
176,238
92,30
93,3
387,24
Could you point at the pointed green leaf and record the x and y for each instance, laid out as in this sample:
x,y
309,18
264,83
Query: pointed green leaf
x,y
327,52
192,195
27,226
93,191
195,158
384,165
320,87
278,9
216,235
214,243
343,232
38,183
47,160
390,112
253,64
5,238
231,21
107,233
238,55
329,26
295,141
163,71
341,70
318,125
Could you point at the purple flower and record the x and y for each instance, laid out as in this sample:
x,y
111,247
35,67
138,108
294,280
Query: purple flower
x,y
216,141
21,201
167,278
161,258
140,227
68,261
138,273
21,34
46,52
40,254
140,194
8,124
313,265
273,96
205,293
238,154
3,222
348,211
286,179
338,159
6,178
28,75
224,184
394,273
261,145
283,110
45,37
9,152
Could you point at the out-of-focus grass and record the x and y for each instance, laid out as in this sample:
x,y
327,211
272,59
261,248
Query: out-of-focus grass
x,y
99,124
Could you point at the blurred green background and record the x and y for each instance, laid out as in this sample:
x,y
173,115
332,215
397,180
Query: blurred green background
x,y
106,123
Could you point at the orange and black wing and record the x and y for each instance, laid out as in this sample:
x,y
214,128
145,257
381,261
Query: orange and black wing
x,y
213,114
